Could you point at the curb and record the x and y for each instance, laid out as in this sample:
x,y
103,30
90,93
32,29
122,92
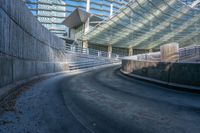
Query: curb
x,y
175,85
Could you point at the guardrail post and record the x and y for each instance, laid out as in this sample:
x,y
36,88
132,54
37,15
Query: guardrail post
x,y
130,51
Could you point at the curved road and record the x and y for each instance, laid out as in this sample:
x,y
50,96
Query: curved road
x,y
102,101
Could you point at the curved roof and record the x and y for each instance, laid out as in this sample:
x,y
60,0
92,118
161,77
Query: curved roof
x,y
147,24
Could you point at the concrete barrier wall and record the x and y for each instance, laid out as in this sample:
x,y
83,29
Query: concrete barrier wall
x,y
176,74
27,48
185,73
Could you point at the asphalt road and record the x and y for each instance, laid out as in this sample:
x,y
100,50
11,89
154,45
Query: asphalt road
x,y
102,101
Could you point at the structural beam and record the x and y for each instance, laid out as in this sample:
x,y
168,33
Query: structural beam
x,y
195,3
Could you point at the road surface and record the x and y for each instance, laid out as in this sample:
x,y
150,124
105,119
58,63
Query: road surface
x,y
101,101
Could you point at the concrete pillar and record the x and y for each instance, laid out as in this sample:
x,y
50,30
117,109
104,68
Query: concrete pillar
x,y
85,47
110,48
87,26
169,52
130,51
109,51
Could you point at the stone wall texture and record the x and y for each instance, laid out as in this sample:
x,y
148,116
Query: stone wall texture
x,y
27,48
182,74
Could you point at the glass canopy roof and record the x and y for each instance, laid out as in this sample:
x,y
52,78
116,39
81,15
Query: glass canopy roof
x,y
147,24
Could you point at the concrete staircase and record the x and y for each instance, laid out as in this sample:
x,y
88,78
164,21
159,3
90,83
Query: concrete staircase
x,y
80,59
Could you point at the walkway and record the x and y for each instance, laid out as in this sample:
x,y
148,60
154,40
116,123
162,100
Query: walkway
x,y
101,101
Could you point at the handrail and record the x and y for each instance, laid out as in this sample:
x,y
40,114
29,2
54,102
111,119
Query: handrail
x,y
186,54
79,57
92,52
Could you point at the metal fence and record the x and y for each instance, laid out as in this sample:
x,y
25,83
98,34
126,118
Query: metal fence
x,y
79,57
149,56
191,54
188,54
92,52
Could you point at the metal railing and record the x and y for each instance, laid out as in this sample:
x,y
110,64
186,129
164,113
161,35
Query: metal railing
x,y
188,54
149,56
79,57
191,54
92,52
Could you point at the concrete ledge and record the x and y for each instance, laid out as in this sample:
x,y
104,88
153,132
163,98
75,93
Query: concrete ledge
x,y
161,82
182,75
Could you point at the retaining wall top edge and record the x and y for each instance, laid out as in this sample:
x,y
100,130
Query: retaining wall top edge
x,y
198,63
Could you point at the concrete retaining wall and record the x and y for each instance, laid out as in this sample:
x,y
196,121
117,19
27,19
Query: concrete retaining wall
x,y
177,74
27,48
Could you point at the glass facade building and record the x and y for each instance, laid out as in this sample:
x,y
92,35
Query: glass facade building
x,y
141,25
51,13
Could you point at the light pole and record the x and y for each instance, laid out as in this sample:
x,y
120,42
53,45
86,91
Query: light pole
x,y
111,9
87,23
